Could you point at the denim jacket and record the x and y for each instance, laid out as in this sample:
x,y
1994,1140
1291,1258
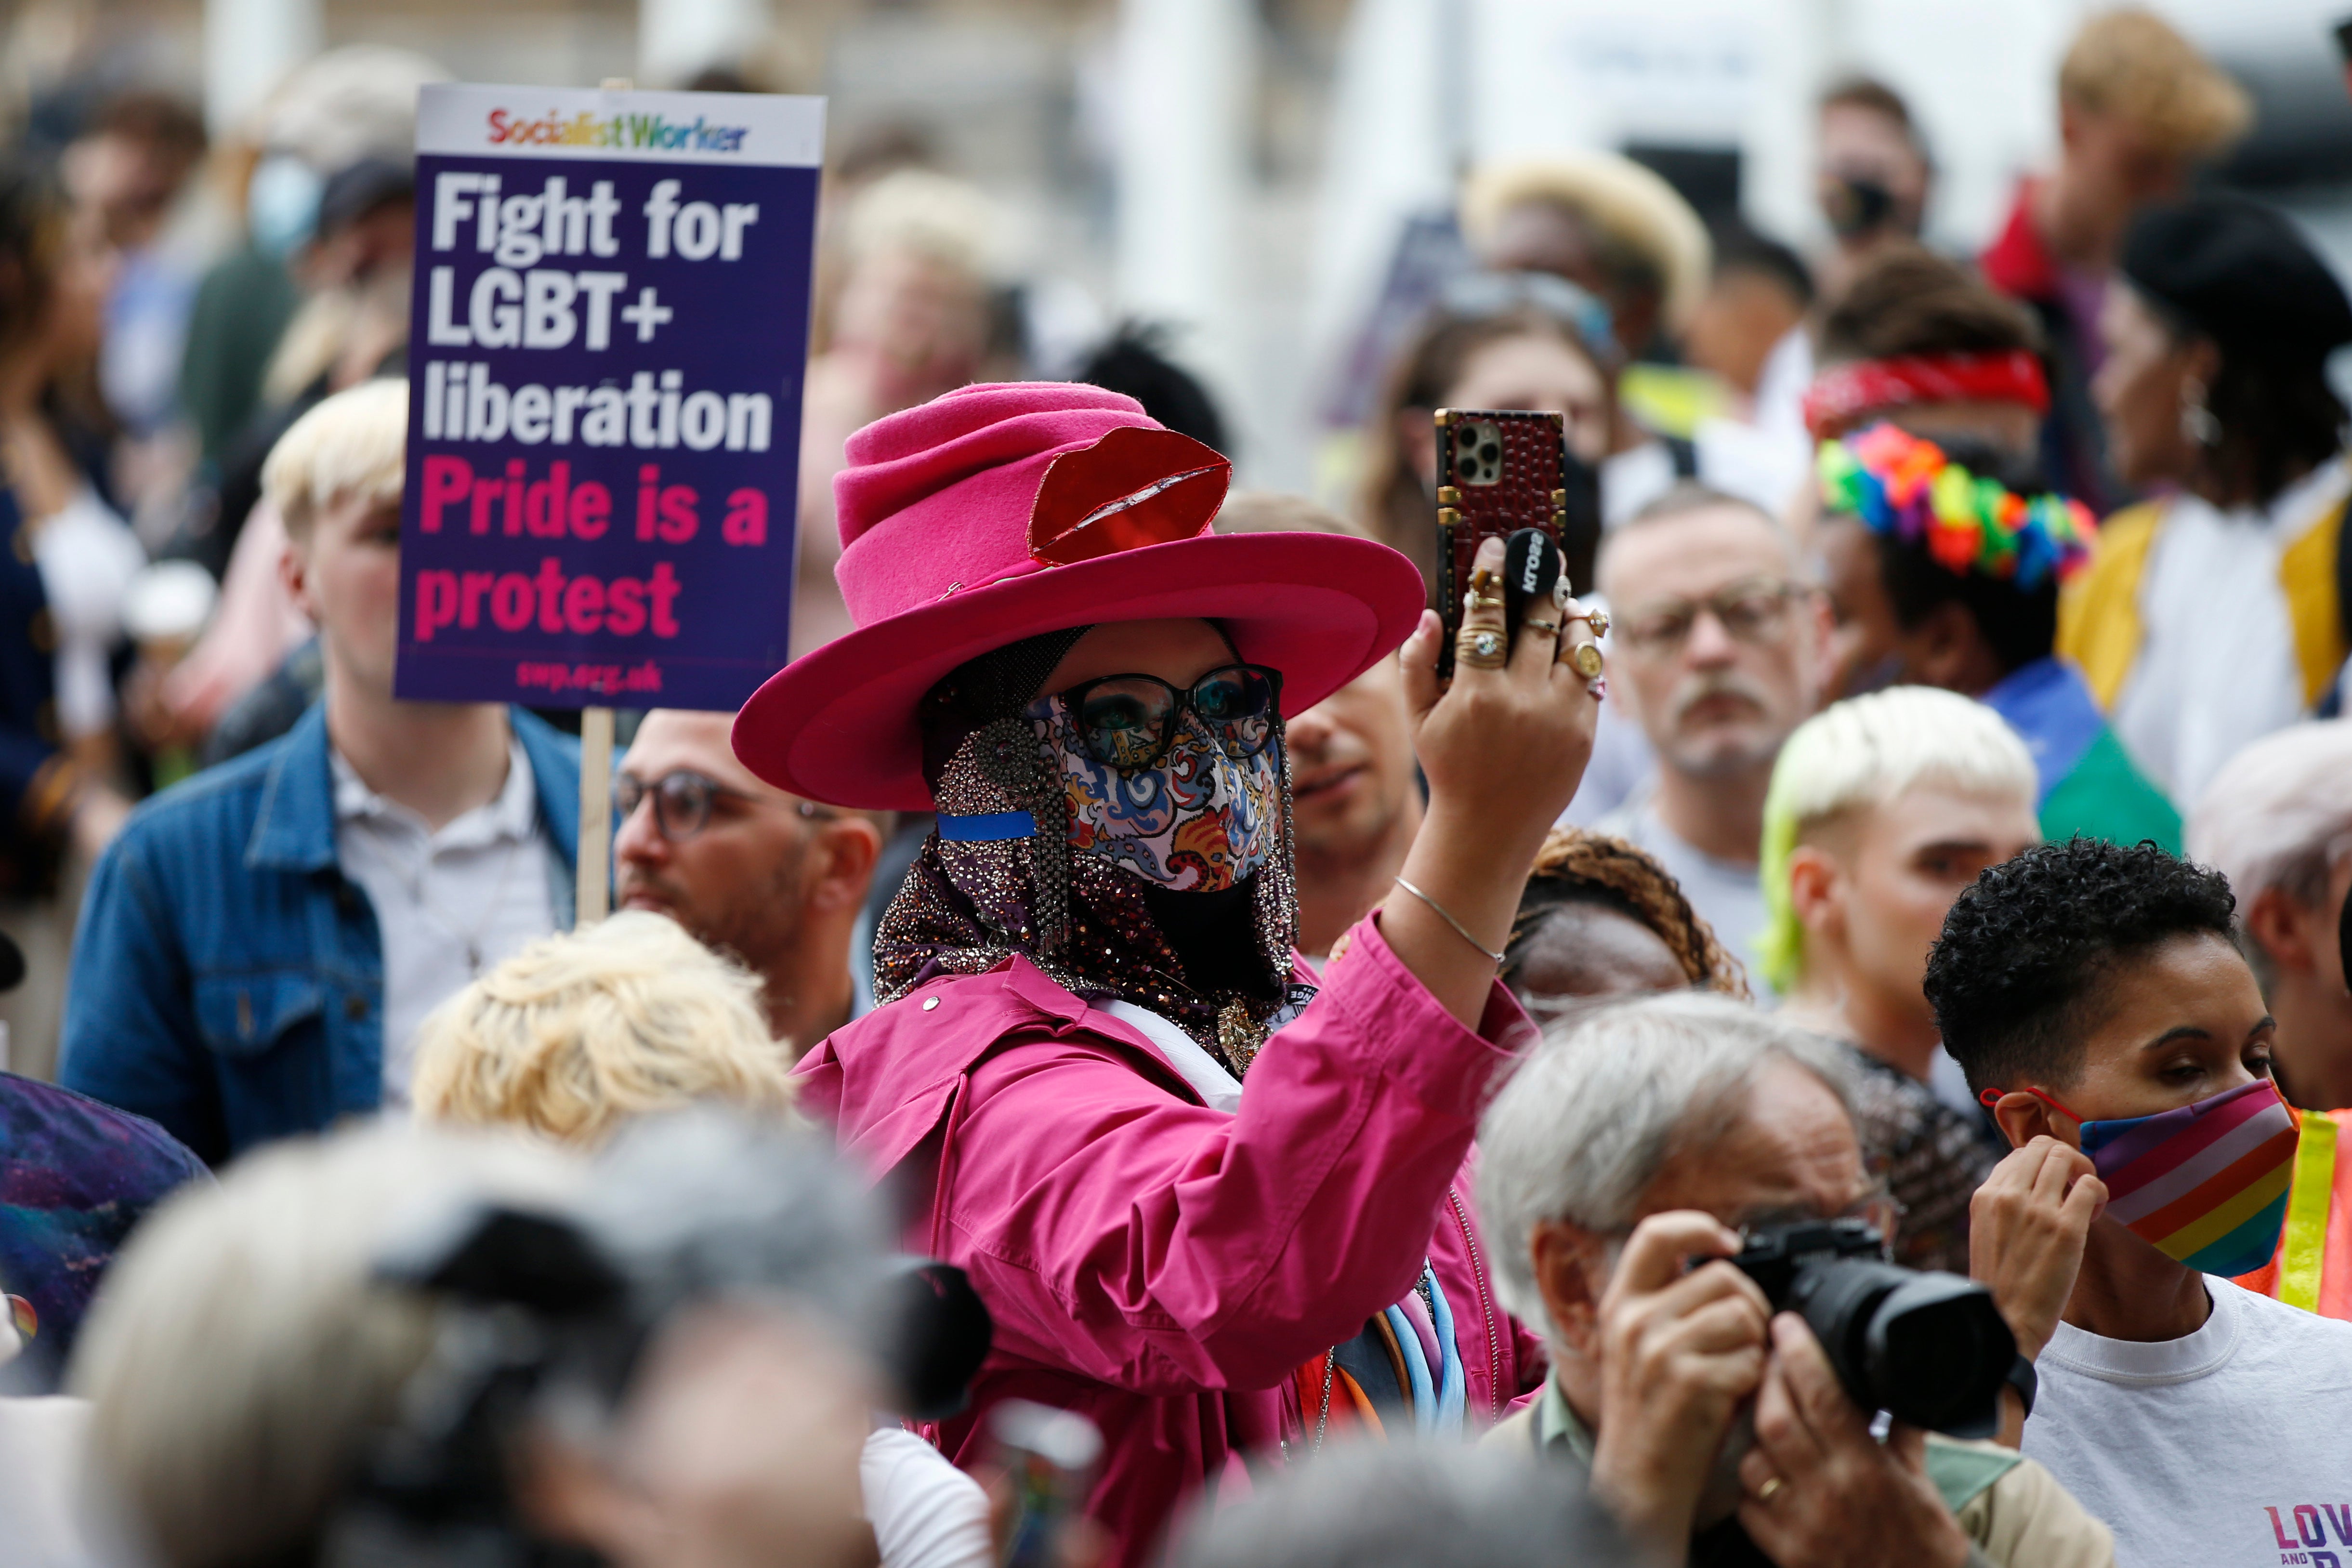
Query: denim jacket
x,y
227,978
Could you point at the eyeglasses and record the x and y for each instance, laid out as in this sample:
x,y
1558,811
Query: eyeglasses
x,y
1129,721
1752,612
682,802
1878,1208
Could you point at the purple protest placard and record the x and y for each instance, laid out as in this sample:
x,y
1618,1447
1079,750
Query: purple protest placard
x,y
607,342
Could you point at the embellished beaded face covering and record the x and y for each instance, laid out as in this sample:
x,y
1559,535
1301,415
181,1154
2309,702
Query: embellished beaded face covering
x,y
1196,820
1060,878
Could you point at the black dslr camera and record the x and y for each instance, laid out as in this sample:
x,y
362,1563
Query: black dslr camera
x,y
1930,1349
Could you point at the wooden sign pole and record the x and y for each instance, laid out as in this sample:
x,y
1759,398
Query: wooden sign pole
x,y
595,865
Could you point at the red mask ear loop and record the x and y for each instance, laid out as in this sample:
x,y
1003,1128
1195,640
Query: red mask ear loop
x,y
1991,1097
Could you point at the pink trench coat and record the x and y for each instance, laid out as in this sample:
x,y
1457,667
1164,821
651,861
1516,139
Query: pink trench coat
x,y
1161,1266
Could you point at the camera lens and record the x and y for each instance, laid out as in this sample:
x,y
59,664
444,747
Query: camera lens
x,y
1931,1350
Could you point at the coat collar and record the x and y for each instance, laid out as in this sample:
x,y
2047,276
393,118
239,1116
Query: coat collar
x,y
294,829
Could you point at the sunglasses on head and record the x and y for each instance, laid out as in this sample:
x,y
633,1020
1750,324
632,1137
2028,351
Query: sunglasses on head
x,y
1129,721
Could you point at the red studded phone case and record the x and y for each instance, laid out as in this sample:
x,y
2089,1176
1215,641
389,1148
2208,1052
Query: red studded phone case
x,y
1498,470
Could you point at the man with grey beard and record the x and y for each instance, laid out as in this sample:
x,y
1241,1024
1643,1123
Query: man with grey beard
x,y
1718,650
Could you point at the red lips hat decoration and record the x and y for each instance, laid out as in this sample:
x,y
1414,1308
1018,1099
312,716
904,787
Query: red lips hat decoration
x,y
998,512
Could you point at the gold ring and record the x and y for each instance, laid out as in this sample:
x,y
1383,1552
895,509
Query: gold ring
x,y
1485,580
1585,659
1771,1484
1480,649
1551,627
1474,601
1600,619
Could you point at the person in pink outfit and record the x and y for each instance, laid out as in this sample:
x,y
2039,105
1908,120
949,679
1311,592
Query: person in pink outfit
x,y
1219,1210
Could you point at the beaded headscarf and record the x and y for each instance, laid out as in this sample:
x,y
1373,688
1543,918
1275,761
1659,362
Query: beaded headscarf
x,y
967,906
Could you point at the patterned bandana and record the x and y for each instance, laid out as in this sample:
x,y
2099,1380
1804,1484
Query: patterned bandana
x,y
1194,821
999,876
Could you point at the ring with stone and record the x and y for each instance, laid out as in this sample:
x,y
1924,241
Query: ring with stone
x,y
1480,649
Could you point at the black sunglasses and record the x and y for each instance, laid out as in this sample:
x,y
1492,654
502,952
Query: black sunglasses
x,y
1129,721
682,802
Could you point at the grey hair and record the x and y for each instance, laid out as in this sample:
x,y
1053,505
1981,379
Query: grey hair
x,y
241,1352
1597,1109
2278,814
1408,1504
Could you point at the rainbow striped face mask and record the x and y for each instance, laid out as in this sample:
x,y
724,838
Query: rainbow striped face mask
x,y
2205,1184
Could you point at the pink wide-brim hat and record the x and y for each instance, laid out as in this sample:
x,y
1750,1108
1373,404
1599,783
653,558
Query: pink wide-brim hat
x,y
998,512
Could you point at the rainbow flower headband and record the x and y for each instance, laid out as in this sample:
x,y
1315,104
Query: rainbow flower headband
x,y
1903,487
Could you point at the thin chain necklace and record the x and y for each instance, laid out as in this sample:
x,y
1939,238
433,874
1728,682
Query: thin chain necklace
x,y
472,939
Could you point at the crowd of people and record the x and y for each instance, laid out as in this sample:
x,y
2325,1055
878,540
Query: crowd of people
x,y
1822,1041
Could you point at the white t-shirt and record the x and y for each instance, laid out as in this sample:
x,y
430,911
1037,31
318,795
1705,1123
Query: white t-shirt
x,y
2228,1448
925,1512
1726,893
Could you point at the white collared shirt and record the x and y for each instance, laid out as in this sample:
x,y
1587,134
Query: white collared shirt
x,y
450,905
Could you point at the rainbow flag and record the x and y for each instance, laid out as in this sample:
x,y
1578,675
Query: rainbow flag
x,y
2205,1184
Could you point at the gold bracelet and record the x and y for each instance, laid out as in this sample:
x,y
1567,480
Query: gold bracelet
x,y
1459,929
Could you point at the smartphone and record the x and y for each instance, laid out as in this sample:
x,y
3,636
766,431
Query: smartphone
x,y
1049,1456
1501,470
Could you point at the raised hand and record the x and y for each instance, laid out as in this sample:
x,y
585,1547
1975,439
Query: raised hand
x,y
1503,747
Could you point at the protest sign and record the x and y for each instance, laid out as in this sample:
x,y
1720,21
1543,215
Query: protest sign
x,y
607,340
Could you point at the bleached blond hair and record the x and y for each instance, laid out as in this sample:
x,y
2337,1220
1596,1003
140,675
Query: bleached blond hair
x,y
238,1357
579,1032
1862,753
353,444
2280,814
2136,65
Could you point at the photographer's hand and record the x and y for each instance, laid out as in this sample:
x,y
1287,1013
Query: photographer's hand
x,y
2027,1227
1678,1352
1844,1501
1503,750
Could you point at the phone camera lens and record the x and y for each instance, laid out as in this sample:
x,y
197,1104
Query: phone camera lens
x,y
1490,454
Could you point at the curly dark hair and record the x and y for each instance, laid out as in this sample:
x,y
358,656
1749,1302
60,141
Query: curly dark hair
x,y
1575,867
2026,949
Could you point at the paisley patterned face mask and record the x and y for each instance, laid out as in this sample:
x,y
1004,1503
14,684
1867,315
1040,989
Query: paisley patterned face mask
x,y
1196,819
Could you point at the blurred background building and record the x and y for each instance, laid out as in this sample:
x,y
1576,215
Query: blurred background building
x,y
1240,171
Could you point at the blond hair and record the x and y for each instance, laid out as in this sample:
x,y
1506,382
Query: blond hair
x,y
239,1355
1860,753
1633,208
578,1032
932,214
2135,66
355,443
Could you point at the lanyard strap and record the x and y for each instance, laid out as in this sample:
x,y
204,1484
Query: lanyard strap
x,y
2306,1247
